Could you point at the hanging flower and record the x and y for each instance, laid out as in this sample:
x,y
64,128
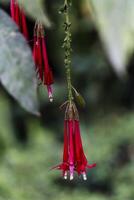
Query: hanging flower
x,y
18,16
74,158
41,59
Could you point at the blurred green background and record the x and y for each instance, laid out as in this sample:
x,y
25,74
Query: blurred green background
x,y
30,146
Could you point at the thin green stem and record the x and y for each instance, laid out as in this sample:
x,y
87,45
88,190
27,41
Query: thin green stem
x,y
68,50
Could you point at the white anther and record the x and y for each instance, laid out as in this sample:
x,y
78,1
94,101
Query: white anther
x,y
65,175
51,99
71,177
84,176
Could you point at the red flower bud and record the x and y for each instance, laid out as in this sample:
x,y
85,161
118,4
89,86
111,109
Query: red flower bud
x,y
41,59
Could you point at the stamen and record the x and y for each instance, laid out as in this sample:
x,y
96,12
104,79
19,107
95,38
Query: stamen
x,y
71,177
84,176
71,173
65,175
51,99
50,95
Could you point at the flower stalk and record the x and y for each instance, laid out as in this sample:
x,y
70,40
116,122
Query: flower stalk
x,y
74,158
68,49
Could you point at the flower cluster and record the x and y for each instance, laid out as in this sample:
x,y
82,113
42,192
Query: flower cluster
x,y
18,16
43,70
41,59
74,158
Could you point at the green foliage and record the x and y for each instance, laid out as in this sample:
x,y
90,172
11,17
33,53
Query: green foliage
x,y
114,20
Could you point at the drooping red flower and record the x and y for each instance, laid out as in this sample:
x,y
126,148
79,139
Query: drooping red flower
x,y
41,59
74,158
18,16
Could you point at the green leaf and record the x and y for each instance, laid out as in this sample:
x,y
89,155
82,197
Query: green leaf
x,y
17,72
115,22
34,8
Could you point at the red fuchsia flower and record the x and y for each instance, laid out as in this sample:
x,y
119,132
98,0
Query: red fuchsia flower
x,y
74,158
41,59
18,16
